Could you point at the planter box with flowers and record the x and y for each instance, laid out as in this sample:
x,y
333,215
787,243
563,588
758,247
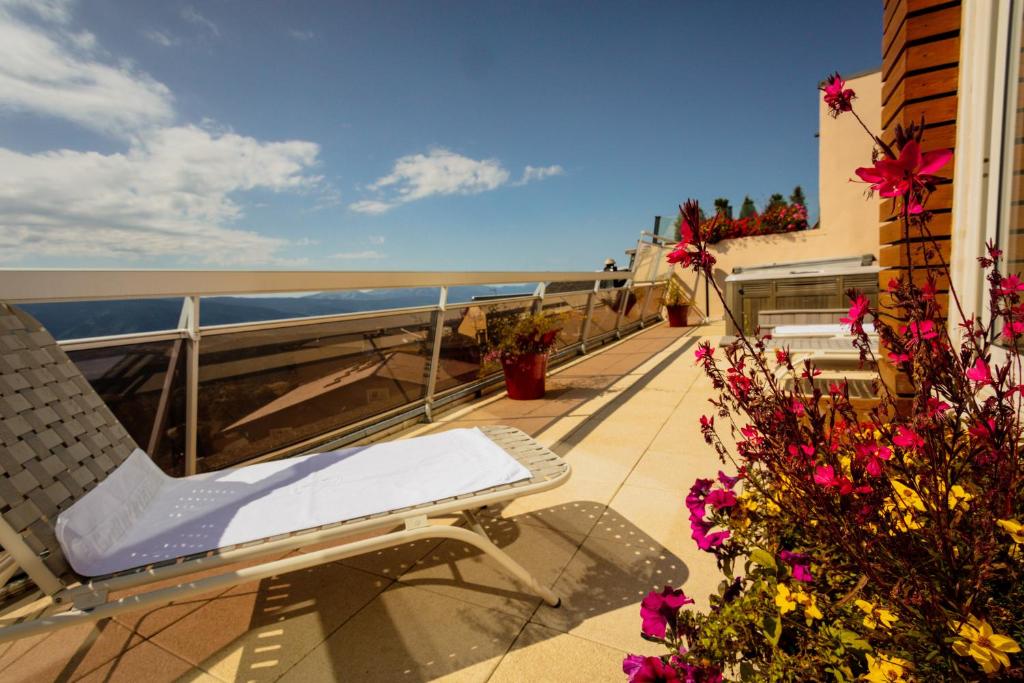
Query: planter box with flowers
x,y
882,549
676,304
521,345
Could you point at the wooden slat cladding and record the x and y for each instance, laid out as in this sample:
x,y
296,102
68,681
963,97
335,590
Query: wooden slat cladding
x,y
920,71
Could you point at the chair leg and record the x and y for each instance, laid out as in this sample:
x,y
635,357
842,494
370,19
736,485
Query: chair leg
x,y
477,537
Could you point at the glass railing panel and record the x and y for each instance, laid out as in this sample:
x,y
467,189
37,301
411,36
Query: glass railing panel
x,y
461,294
263,390
464,340
605,313
225,310
84,319
572,310
656,294
635,306
133,381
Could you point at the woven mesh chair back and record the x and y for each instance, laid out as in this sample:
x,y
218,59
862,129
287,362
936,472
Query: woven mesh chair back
x,y
57,437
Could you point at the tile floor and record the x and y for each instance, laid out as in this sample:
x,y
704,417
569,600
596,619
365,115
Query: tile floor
x,y
625,418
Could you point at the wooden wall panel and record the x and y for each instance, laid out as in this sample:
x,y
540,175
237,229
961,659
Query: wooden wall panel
x,y
920,70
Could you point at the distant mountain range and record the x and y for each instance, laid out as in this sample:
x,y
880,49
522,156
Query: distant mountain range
x,y
80,319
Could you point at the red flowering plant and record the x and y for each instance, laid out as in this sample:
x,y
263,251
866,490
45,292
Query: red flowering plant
x,y
774,220
515,335
885,545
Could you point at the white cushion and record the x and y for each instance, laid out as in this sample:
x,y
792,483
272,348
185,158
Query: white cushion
x,y
139,515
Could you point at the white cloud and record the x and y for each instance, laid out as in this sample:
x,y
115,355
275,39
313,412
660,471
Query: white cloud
x,y
173,192
369,254
441,172
438,172
48,69
377,239
170,194
301,35
160,38
531,173
192,15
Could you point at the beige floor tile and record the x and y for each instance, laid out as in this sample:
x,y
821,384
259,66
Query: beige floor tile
x,y
543,654
602,586
257,635
573,507
674,470
69,653
411,634
459,571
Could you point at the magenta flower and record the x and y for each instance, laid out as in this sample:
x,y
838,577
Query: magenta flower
x,y
642,669
855,317
659,611
728,481
838,97
704,351
980,373
800,563
906,176
907,438
917,332
720,498
1009,285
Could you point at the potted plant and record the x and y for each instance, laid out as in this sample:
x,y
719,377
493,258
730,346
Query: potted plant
x,y
521,345
677,304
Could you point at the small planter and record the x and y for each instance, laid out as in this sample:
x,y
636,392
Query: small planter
x,y
677,314
524,376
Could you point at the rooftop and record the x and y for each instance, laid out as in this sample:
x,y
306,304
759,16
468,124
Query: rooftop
x,y
624,417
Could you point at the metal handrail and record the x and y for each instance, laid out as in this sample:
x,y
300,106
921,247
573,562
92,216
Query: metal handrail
x,y
53,284
59,285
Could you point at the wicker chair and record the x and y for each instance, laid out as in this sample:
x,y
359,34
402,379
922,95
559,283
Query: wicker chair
x,y
58,441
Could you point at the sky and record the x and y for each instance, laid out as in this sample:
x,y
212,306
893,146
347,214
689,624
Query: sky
x,y
399,135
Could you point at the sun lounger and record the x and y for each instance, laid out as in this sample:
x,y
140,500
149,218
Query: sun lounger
x,y
85,513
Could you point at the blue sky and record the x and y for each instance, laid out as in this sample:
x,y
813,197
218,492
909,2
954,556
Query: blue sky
x,y
398,135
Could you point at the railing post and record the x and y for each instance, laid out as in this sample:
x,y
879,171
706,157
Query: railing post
x,y
586,319
190,323
538,297
435,354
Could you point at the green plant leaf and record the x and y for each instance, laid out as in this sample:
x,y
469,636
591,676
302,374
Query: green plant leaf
x,y
771,624
763,558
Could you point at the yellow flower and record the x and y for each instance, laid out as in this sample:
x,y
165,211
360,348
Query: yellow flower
x,y
810,604
887,669
958,495
783,599
876,616
902,506
1014,528
987,648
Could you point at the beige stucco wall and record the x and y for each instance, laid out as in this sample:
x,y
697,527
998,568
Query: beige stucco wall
x,y
848,217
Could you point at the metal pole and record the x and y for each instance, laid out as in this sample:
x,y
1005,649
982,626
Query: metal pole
x,y
190,313
435,354
586,318
624,295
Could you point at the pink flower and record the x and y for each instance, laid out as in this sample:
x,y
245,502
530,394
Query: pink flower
x,y
720,498
728,481
906,176
800,564
907,438
826,476
703,352
858,309
642,669
919,331
1011,284
661,610
980,373
838,97
896,358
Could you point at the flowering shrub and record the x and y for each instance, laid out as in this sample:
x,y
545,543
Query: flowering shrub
x,y
881,548
509,337
775,220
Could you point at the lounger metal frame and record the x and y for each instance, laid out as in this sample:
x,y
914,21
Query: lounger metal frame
x,y
58,440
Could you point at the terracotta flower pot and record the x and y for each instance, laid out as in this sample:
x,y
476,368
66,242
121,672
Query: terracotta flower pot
x,y
677,314
524,376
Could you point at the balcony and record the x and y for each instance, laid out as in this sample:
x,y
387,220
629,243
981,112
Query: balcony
x,y
621,416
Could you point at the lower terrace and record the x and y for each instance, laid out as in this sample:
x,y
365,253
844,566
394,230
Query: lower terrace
x,y
625,417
